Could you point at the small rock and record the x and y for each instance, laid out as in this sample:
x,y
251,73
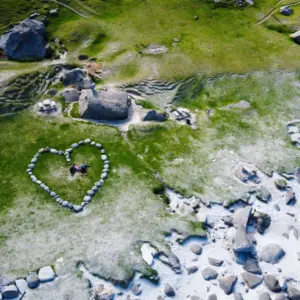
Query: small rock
x,y
104,175
136,289
238,296
191,270
154,115
272,253
46,274
212,297
52,194
215,262
196,17
10,292
286,235
99,146
54,151
22,286
91,193
228,220
264,296
290,198
196,248
251,280
169,291
65,203
77,208
281,297
252,266
53,12
227,283
281,184
75,145
87,198
242,242
103,157
263,194
87,141
272,283
209,274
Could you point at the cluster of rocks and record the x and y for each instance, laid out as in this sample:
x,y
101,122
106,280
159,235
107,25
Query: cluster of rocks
x,y
90,193
18,288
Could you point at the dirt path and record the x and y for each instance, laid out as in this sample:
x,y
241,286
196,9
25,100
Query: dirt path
x,y
272,12
71,8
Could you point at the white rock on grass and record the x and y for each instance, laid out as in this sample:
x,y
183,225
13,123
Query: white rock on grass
x,y
99,146
46,274
103,157
87,198
75,145
87,141
54,151
22,286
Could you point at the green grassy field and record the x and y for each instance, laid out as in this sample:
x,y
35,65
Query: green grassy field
x,y
222,39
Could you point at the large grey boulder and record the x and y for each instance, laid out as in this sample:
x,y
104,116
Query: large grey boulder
x,y
10,292
104,105
25,42
227,283
251,280
272,283
272,253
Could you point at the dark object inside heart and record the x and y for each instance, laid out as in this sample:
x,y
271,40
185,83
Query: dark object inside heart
x,y
82,168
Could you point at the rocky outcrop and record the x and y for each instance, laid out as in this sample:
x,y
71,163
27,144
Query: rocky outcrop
x,y
104,105
25,42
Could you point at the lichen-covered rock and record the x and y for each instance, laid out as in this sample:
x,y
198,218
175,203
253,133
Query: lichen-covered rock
x,y
104,105
25,41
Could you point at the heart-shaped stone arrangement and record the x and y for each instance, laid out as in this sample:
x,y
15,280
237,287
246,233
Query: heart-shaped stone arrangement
x,y
90,193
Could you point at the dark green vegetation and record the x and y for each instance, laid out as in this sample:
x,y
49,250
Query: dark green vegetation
x,y
75,113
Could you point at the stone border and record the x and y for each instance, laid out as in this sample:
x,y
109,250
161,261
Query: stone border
x,y
90,193
18,288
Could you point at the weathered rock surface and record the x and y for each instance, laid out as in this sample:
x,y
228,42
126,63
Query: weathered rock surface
x,y
241,217
154,115
21,285
209,274
251,280
281,297
104,105
290,198
252,266
77,77
272,253
192,269
25,41
212,297
263,194
227,283
46,274
70,95
238,296
136,289
272,283
169,291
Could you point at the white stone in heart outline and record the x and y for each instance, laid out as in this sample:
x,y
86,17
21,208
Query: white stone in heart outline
x,y
90,193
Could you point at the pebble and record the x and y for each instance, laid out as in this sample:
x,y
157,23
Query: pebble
x,y
70,205
103,151
87,199
95,189
136,289
77,208
61,152
107,162
169,291
34,161
196,248
75,145
264,296
227,283
209,274
87,141
215,262
31,166
98,184
65,203
52,194
99,146
103,157
93,143
46,274
32,281
104,175
191,270
212,297
81,143
54,151
91,193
